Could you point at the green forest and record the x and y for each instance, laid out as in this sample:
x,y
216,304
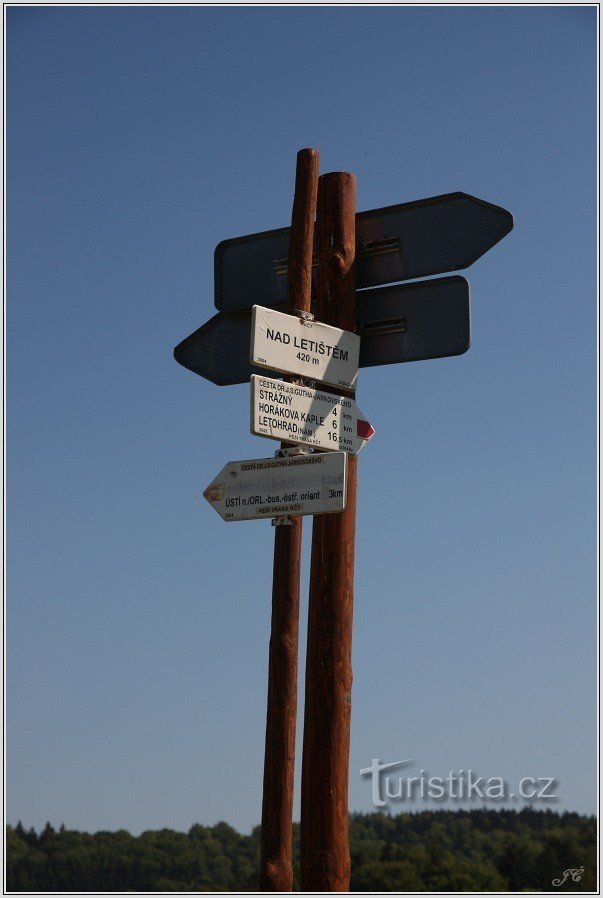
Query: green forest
x,y
477,850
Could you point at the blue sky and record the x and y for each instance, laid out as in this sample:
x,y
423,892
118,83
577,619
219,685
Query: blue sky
x,y
137,621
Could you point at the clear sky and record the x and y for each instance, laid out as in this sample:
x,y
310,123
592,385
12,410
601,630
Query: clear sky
x,y
138,621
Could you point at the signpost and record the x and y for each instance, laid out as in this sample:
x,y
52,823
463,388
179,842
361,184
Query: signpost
x,y
302,415
325,856
303,346
357,326
276,840
401,323
273,487
396,243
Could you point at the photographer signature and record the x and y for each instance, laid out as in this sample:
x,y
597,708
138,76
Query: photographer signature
x,y
575,873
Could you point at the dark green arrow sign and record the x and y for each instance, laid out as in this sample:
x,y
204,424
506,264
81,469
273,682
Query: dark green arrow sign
x,y
404,323
396,243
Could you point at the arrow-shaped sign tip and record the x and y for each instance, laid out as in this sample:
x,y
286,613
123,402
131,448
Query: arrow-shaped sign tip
x,y
214,492
364,430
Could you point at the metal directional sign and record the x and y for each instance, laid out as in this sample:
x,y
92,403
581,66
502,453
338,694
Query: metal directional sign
x,y
275,487
404,323
301,346
297,414
396,243
410,323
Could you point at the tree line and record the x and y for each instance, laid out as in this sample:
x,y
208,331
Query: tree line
x,y
457,851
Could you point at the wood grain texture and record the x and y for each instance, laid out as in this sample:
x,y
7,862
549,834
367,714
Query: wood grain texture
x,y
325,857
299,263
276,863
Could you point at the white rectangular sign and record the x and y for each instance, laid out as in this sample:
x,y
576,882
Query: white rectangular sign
x,y
273,487
297,414
308,348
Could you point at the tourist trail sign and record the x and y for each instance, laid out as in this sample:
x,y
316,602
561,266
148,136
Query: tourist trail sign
x,y
301,415
273,487
305,347
354,257
396,243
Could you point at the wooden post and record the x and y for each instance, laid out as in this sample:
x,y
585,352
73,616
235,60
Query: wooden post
x,y
325,857
276,865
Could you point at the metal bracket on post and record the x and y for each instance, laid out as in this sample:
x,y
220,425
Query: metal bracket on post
x,y
302,382
304,316
288,452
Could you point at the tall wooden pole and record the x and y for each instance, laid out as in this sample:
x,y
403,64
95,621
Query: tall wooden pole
x,y
276,865
325,856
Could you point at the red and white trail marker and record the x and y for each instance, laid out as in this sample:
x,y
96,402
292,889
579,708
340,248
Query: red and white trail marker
x,y
301,415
